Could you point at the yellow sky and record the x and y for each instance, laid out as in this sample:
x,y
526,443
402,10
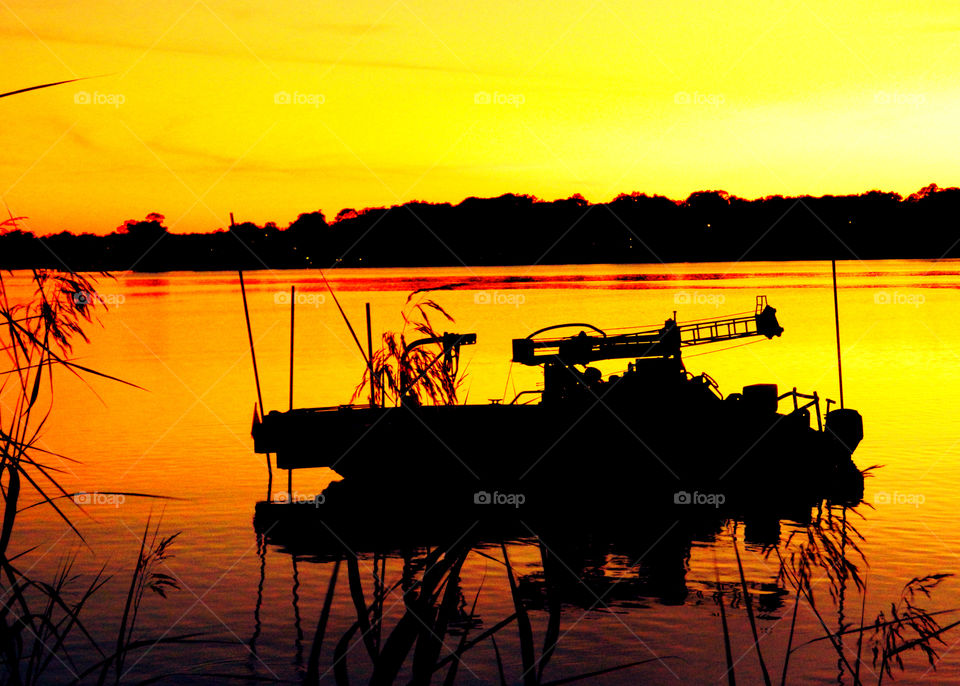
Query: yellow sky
x,y
272,109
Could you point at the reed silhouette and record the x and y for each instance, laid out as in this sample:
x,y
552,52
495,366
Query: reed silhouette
x,y
828,550
438,626
42,617
396,367
428,623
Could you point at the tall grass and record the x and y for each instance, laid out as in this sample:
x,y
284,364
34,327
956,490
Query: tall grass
x,y
39,619
828,554
394,370
433,636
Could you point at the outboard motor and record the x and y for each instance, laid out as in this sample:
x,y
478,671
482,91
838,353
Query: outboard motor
x,y
846,426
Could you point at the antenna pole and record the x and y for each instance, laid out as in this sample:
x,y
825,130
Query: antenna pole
x,y
293,300
373,388
836,318
344,315
256,375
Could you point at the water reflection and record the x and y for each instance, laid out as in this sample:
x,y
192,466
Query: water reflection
x,y
460,598
896,350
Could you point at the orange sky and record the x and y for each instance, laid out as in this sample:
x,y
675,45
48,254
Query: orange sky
x,y
272,109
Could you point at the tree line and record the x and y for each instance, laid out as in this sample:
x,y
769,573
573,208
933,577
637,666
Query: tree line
x,y
521,229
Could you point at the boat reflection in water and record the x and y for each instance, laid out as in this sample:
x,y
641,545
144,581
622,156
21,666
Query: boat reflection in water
x,y
457,596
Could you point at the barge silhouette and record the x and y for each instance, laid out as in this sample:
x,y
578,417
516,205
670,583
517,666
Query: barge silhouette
x,y
654,430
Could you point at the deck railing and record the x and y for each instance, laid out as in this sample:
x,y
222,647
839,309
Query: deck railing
x,y
813,401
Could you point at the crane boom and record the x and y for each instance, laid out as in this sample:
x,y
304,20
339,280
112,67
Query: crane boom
x,y
664,342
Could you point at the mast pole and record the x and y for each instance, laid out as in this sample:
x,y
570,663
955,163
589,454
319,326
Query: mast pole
x,y
836,319
256,375
373,388
293,300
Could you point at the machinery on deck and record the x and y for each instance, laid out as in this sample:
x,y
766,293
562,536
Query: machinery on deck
x,y
657,352
658,343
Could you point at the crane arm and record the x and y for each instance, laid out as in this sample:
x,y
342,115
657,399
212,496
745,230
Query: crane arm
x,y
664,342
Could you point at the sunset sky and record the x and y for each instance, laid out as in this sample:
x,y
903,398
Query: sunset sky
x,y
273,109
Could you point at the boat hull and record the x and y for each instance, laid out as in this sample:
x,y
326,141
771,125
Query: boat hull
x,y
551,451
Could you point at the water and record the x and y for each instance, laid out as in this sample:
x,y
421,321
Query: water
x,y
182,338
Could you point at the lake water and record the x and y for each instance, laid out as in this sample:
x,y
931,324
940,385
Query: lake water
x,y
648,592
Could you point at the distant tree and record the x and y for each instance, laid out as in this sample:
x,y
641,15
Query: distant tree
x,y
375,211
11,226
308,222
16,234
708,208
923,193
246,230
707,199
345,213
150,228
881,196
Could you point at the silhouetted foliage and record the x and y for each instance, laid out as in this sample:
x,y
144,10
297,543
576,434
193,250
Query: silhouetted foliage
x,y
521,229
